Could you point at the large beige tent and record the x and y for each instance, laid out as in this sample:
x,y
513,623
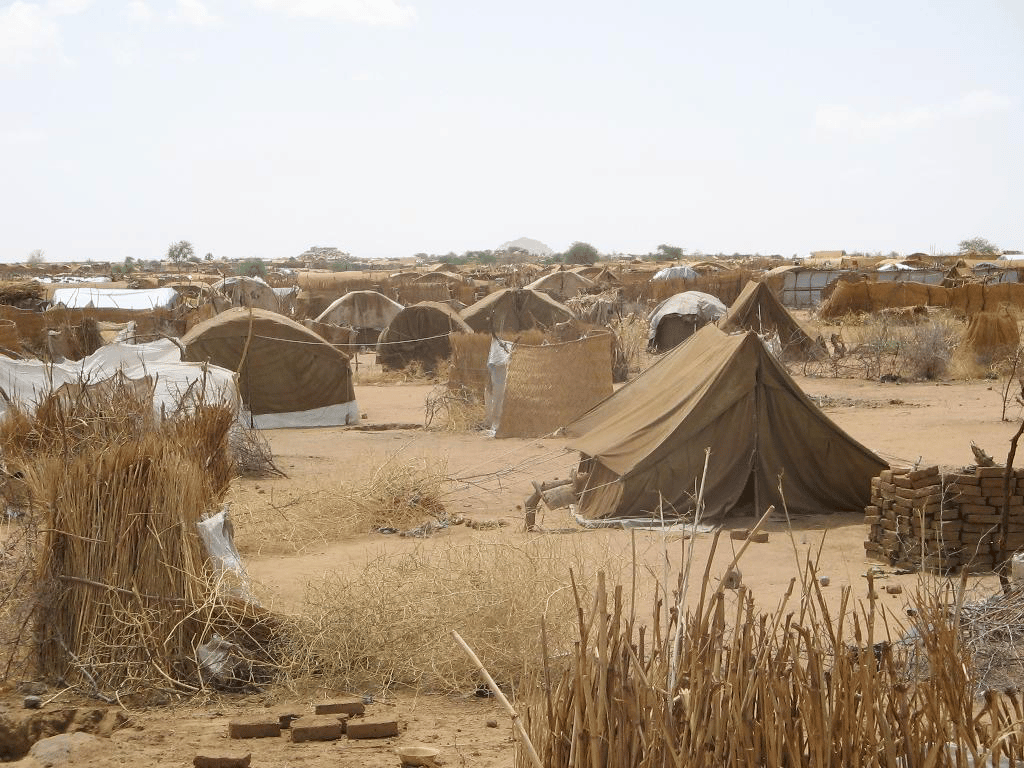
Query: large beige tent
x,y
510,310
288,376
728,393
756,309
563,285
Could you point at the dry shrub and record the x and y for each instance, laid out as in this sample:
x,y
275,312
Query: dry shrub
x,y
631,333
920,351
251,453
370,371
401,492
929,348
457,409
389,625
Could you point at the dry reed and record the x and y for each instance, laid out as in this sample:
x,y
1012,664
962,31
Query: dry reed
x,y
724,685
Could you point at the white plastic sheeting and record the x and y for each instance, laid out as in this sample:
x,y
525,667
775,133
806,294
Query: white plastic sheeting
x,y
26,381
678,272
116,298
705,307
896,267
497,368
338,415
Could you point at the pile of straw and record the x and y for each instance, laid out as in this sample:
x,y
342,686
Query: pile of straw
x,y
389,625
123,596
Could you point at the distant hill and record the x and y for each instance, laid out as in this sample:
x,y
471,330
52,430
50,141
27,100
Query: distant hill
x,y
535,247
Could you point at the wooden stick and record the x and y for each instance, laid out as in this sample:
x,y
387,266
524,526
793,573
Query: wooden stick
x,y
524,737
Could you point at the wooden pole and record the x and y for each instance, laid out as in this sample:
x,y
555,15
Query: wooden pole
x,y
517,722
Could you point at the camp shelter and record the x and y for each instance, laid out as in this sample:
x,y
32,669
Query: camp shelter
x,y
646,443
420,333
369,312
155,366
288,376
115,298
515,309
756,309
677,272
563,285
679,317
241,291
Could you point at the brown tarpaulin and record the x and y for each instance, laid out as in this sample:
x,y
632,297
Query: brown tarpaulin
x,y
420,332
287,367
729,394
756,309
510,310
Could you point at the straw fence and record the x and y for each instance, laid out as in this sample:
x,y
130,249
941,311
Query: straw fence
x,y
549,386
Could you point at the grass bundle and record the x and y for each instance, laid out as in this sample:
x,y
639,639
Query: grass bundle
x,y
725,685
389,625
123,596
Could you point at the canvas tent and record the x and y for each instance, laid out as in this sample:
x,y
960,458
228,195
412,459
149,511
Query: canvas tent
x,y
368,312
727,393
420,332
756,309
510,310
243,291
678,317
289,376
563,285
116,298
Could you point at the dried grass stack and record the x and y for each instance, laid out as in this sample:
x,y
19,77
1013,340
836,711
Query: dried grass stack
x,y
124,596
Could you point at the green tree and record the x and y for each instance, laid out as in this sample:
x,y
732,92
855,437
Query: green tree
x,y
208,257
180,251
251,268
581,253
671,251
979,245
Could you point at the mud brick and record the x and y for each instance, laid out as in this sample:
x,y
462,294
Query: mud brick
x,y
875,481
927,491
203,761
317,728
902,481
372,728
977,509
739,534
958,489
987,520
984,472
349,705
885,476
924,473
965,479
264,727
887,489
871,519
992,487
872,510
997,501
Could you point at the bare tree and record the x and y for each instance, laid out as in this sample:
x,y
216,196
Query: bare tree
x,y
36,257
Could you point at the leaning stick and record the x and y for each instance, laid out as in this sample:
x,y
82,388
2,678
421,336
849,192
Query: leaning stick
x,y
516,720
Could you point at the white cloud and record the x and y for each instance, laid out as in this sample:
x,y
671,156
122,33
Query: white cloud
x,y
27,34
382,12
138,10
842,119
196,13
67,7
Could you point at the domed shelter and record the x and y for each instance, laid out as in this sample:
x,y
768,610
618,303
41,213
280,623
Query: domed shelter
x,y
420,333
368,312
678,317
288,376
563,285
515,309
240,291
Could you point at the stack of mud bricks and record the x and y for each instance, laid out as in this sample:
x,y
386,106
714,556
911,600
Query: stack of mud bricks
x,y
921,519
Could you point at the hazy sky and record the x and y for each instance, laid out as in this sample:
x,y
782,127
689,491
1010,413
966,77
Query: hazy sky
x,y
387,127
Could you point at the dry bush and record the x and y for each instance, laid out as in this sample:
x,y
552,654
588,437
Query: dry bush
x,y
631,332
401,492
928,347
886,348
389,625
454,409
370,372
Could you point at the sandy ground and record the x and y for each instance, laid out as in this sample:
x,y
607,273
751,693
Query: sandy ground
x,y
930,422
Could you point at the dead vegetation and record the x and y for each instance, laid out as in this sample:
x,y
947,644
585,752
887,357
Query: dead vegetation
x,y
388,625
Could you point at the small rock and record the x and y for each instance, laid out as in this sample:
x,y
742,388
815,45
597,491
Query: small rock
x,y
33,702
825,581
67,748
894,589
492,723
